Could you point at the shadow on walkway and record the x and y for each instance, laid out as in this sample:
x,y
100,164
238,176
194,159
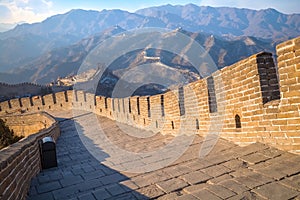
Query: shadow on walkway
x,y
79,175
256,171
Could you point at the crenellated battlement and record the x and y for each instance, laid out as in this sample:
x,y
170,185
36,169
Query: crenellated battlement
x,y
10,91
20,84
246,102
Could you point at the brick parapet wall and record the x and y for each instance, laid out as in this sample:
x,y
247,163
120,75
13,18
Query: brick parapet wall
x,y
51,102
288,111
20,162
28,124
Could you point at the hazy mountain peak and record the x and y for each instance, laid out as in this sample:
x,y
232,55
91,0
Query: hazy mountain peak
x,y
67,29
78,10
271,10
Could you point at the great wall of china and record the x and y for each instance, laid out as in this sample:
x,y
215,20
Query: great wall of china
x,y
246,102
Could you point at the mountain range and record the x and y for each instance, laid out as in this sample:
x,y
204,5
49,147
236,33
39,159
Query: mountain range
x,y
42,52
65,61
268,23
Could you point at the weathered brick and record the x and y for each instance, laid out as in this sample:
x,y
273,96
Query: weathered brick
x,y
285,48
279,122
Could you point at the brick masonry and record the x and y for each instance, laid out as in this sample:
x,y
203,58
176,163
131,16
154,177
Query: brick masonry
x,y
20,162
28,124
246,102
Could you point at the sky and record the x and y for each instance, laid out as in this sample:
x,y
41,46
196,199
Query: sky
x,y
30,11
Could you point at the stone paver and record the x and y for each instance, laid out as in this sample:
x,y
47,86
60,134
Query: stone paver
x,y
256,171
276,191
247,195
254,158
216,170
186,197
234,186
47,187
172,185
221,191
206,195
101,193
195,188
151,191
196,177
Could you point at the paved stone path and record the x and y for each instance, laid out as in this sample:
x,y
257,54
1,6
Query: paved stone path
x,y
227,172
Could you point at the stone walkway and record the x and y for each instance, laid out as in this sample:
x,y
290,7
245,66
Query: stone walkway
x,y
227,172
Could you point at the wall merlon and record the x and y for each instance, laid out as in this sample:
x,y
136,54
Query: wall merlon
x,y
69,96
48,99
284,45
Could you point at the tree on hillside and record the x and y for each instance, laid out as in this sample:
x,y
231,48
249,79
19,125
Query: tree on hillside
x,y
7,136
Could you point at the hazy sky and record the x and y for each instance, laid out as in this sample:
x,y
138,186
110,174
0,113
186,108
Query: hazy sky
x,y
12,11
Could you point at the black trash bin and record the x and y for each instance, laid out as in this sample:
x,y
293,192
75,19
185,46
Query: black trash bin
x,y
48,153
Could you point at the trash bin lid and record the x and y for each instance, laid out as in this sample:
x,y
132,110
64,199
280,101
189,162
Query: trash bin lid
x,y
48,144
47,139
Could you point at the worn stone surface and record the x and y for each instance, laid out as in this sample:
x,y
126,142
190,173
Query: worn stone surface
x,y
276,191
205,194
255,172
